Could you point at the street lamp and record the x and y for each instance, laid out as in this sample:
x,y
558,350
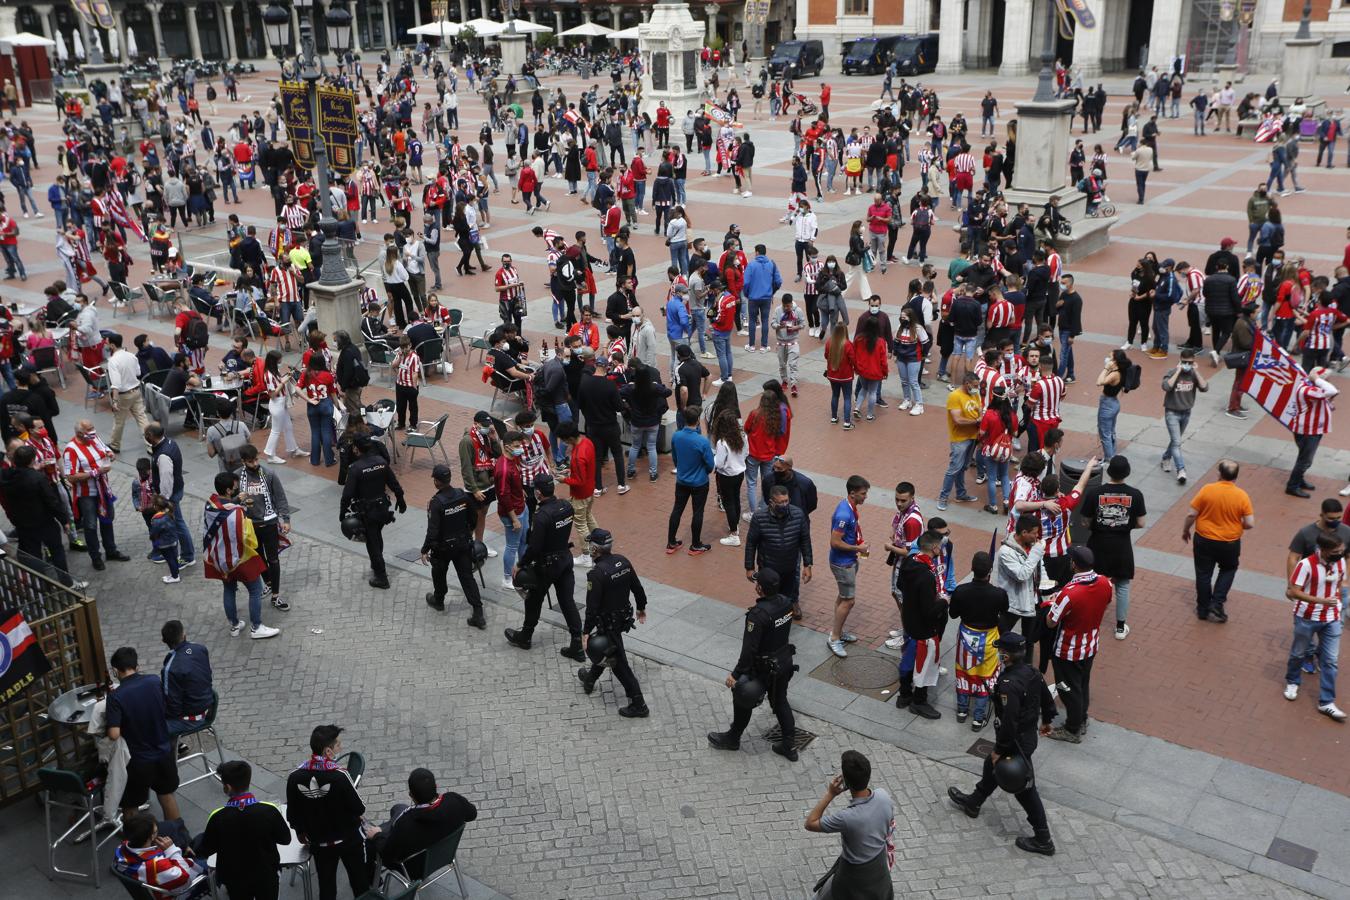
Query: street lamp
x,y
1045,85
338,23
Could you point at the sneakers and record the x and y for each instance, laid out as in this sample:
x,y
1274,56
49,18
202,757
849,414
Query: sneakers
x,y
1166,464
1065,735
1238,414
1332,711
836,647
276,460
731,540
905,404
965,498
236,629
583,560
171,579
508,584
941,505
623,489
896,643
980,479
699,549
1181,477
717,382
492,554
1122,631
917,410
1291,692
187,563
262,632
279,604
1345,491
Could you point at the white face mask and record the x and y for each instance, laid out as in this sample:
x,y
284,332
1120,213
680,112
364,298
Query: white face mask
x,y
833,265
876,309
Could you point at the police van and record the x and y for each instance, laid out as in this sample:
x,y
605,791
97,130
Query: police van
x,y
797,58
869,55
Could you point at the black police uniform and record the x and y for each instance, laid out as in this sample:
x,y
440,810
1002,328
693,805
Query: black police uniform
x,y
609,584
450,540
548,549
766,654
1020,698
367,482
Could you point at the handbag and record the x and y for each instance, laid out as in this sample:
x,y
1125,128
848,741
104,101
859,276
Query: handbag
x,y
1236,359
867,263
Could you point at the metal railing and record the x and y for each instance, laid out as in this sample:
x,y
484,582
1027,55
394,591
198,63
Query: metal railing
x,y
65,624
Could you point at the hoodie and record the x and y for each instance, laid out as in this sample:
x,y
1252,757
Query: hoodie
x,y
761,279
922,614
1016,572
421,826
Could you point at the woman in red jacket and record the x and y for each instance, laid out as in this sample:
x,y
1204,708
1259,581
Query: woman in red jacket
x,y
839,372
870,359
767,430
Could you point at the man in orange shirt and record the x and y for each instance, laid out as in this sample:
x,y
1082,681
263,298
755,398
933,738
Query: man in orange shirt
x,y
1220,512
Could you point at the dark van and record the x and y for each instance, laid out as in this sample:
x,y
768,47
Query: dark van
x,y
869,55
798,58
916,54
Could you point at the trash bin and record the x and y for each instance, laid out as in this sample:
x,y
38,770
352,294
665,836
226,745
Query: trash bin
x,y
1069,472
668,429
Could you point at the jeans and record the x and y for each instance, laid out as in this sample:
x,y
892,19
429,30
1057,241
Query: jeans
x,y
185,545
679,191
759,313
1276,176
641,194
1162,320
679,256
515,538
644,436
997,471
958,460
846,389
700,319
683,494
1199,127
758,478
560,414
255,592
1211,592
94,527
322,432
1140,179
1253,228
12,261
1065,354
722,346
1108,409
1328,636
1307,449
909,381
876,244
866,395
1176,423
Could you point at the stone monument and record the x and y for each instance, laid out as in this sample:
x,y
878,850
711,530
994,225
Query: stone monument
x,y
669,43
1302,52
339,307
511,42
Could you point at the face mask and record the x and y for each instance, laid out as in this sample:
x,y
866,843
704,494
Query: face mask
x,y
833,265
875,309
778,511
1108,361
517,451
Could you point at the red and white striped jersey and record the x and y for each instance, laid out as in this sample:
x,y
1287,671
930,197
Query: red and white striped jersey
x,y
990,378
549,237
409,373
296,216
1314,577
1024,488
1249,287
864,142
907,526
98,206
1312,405
1320,327
1002,314
80,457
810,272
963,163
1046,394
617,346
284,283
1055,525
1078,612
1056,266
1014,371
1195,281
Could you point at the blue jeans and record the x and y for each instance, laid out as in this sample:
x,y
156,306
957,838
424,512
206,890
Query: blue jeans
x,y
1162,320
292,311
909,381
965,346
998,475
1328,647
700,317
562,413
1276,176
7,371
644,436
591,181
722,346
981,705
1176,423
679,191
846,389
757,472
1253,228
322,431
641,194
866,395
759,313
515,539
679,256
185,547
831,167
255,592
12,261
1065,354
1108,408
958,459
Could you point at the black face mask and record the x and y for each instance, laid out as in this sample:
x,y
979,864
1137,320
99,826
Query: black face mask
x,y
778,511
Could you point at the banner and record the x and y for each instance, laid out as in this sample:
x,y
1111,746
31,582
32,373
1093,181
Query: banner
x,y
339,127
1080,12
21,659
86,12
103,13
299,119
1272,379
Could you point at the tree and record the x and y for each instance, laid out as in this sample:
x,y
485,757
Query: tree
x,y
545,41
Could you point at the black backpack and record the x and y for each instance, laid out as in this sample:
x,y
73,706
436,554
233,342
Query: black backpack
x,y
1132,377
360,374
197,335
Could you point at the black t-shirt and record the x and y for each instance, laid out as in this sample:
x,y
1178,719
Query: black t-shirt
x,y
1112,511
978,604
691,374
175,383
137,707
966,316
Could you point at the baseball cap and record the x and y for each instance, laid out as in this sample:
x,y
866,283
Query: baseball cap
x,y
1011,641
601,537
768,579
1226,243
482,417
441,472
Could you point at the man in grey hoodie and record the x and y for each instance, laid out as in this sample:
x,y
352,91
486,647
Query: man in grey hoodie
x,y
1017,571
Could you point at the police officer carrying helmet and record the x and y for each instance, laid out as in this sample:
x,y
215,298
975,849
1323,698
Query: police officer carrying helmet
x,y
609,614
765,667
547,563
450,540
364,498
1020,697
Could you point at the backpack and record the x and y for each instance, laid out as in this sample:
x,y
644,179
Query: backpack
x,y
360,374
197,335
229,445
923,217
1131,378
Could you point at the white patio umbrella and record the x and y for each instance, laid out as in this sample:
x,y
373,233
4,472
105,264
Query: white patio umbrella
x,y
27,39
485,27
433,29
525,26
132,50
588,29
62,54
627,34
112,43
77,44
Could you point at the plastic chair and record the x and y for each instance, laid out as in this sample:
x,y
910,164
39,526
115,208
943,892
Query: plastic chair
x,y
455,329
438,860
206,726
432,353
482,345
140,891
251,328
428,439
377,355
165,300
355,763
47,359
96,387
124,297
65,782
156,377
204,409
502,384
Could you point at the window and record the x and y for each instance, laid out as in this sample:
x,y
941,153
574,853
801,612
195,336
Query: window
x,y
857,7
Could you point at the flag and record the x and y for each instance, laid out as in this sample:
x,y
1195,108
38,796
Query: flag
x,y
1272,378
21,659
1269,129
231,545
117,209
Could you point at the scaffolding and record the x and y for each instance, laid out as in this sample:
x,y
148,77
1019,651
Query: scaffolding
x,y
1219,36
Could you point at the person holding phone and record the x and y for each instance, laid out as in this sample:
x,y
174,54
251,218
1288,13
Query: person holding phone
x,y
865,828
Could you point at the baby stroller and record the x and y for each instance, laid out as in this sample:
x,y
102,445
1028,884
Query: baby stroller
x,y
805,106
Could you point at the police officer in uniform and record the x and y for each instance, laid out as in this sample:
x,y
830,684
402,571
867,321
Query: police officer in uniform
x,y
608,585
450,540
548,556
765,666
365,496
1020,697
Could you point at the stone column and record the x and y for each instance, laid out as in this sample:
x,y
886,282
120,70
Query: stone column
x,y
417,13
44,19
231,48
1087,47
194,36
356,30
587,13
950,37
615,13
464,10
710,10
155,9
646,13
120,24
557,20
295,28
976,39
1165,34
1016,41
93,49
388,25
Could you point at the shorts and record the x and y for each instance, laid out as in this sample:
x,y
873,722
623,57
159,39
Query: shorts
x,y
489,495
964,346
160,776
847,579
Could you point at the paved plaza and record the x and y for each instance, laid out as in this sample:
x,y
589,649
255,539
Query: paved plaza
x,y
1197,778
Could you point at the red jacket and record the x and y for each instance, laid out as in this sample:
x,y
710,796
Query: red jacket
x,y
580,478
627,186
763,445
725,318
510,490
844,371
735,279
825,95
871,366
527,180
662,117
638,169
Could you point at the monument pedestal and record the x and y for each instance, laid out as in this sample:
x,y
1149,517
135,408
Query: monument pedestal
x,y
669,43
339,308
1043,142
1298,73
513,54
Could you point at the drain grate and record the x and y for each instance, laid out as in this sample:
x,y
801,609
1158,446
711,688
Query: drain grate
x,y
1292,854
864,673
981,748
800,740
411,556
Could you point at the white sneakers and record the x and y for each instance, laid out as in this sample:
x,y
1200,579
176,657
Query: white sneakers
x,y
896,643
905,404
171,579
1291,692
276,460
1345,491
1122,631
237,629
262,632
1332,711
508,584
492,554
836,647
917,410
731,540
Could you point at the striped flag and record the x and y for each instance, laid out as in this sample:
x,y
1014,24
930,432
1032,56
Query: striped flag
x,y
21,659
117,208
1269,129
231,545
1272,378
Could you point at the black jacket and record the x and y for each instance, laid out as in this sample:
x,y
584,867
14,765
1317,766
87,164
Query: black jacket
x,y
549,541
367,480
1223,260
646,410
348,364
449,521
1020,695
31,499
419,827
1071,313
777,542
922,614
322,805
609,584
244,840
600,402
30,402
1221,296
768,626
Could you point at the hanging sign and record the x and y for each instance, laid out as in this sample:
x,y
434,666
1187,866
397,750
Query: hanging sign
x,y
339,127
299,119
